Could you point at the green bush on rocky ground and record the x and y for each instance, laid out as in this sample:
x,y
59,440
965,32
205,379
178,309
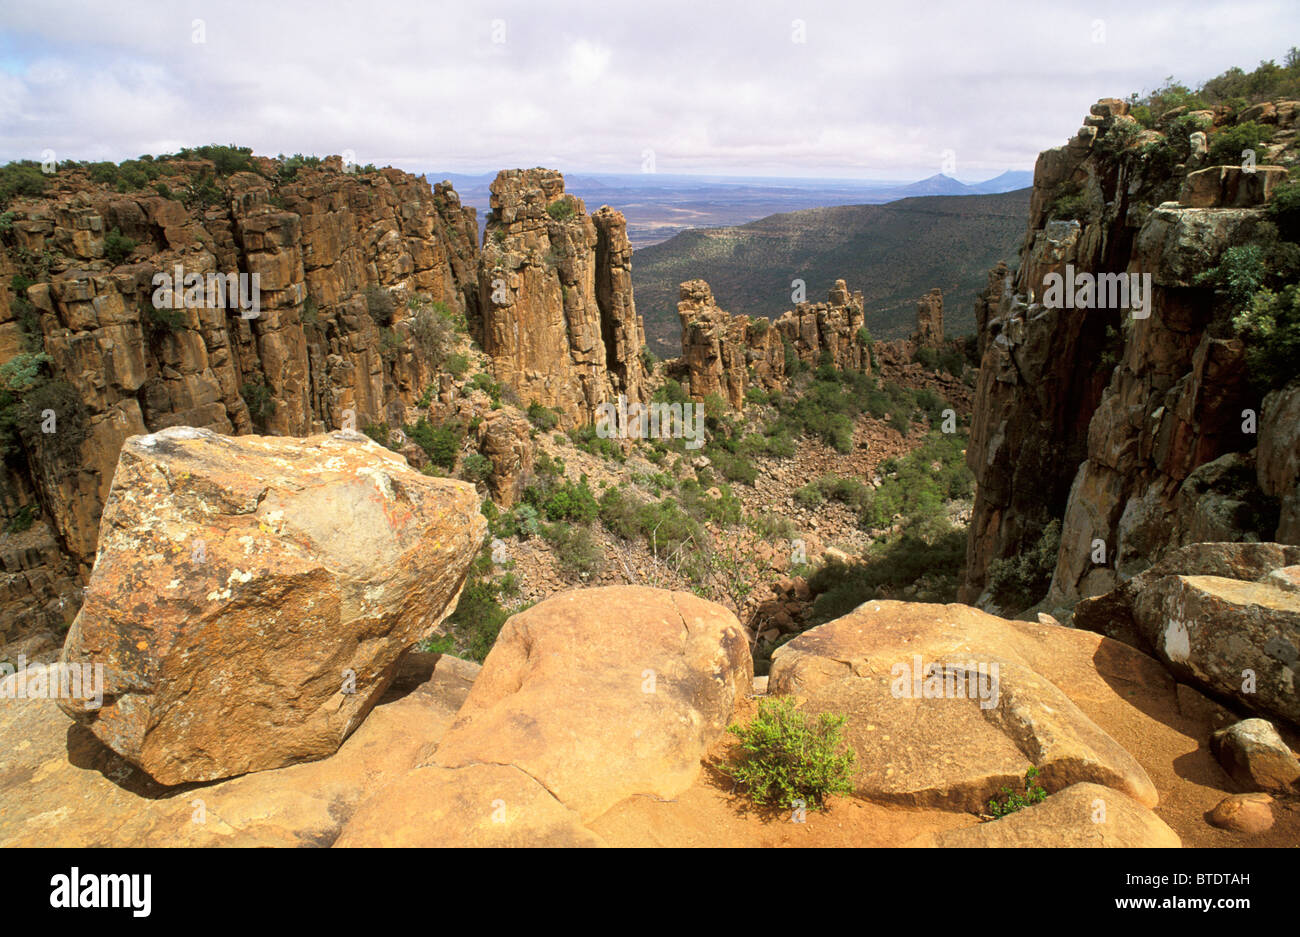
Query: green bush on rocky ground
x,y
788,758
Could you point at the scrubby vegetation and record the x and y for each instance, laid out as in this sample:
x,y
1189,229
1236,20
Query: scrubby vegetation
x,y
790,759
1258,290
1021,581
1235,88
1014,800
473,627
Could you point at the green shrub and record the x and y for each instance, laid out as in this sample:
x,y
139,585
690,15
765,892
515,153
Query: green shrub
x,y
23,520
479,615
434,333
440,443
1270,328
456,365
544,418
565,500
1226,145
1013,800
118,247
732,466
906,565
379,432
1070,204
484,382
561,209
476,468
22,178
258,399
225,159
1284,210
810,495
915,488
163,320
577,550
786,756
1117,138
1019,582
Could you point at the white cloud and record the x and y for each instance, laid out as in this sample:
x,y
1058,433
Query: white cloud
x,y
875,91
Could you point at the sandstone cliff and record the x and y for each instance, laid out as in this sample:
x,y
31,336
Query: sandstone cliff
x,y
1130,426
724,354
319,354
555,286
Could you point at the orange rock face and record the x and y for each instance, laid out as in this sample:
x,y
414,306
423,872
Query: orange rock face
x,y
253,595
555,289
313,358
724,354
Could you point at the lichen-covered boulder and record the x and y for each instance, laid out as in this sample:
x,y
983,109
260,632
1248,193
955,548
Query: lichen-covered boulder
x,y
252,596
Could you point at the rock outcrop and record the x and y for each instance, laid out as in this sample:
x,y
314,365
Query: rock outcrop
x,y
1219,616
62,787
1256,757
1132,423
929,319
313,356
555,292
948,705
587,698
252,596
724,354
1081,816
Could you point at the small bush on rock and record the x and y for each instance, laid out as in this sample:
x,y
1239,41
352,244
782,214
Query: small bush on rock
x,y
1013,801
788,756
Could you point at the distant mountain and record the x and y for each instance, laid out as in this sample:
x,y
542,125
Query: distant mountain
x,y
938,184
659,205
1009,181
893,253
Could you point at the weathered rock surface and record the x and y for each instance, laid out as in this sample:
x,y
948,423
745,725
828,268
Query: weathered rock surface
x,y
1104,419
929,319
1216,616
959,744
252,596
724,354
1243,813
590,697
312,359
1081,816
555,290
60,786
1255,756
1278,457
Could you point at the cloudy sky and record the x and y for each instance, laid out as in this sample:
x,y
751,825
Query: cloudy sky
x,y
850,88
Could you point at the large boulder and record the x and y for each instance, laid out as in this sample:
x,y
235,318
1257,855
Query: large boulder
x,y
1255,756
1219,616
588,698
60,786
1082,815
947,705
252,596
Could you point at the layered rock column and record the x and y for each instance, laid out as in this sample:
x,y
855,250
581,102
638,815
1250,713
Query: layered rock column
x,y
725,354
929,319
558,317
